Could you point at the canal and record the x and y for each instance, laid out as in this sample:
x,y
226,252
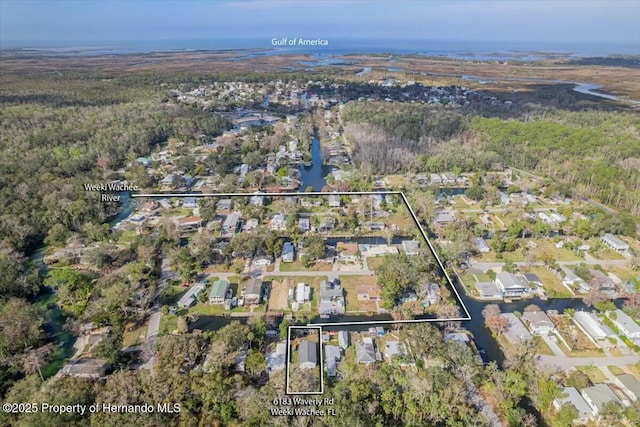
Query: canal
x,y
314,176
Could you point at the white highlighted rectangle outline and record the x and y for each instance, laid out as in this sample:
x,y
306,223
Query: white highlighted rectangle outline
x,y
345,193
286,388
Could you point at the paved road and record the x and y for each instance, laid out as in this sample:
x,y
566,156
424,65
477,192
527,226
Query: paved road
x,y
487,265
154,320
563,362
476,400
551,342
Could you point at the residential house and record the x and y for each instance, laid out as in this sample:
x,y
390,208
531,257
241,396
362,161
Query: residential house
x,y
262,260
230,224
482,246
411,247
331,299
307,354
571,396
394,350
276,359
516,332
253,292
430,293
257,199
444,217
602,282
598,396
218,292
167,180
85,368
332,356
189,203
571,279
303,293
595,330
615,243
488,290
191,296
327,223
631,384
448,178
348,252
335,201
435,179
278,222
369,250
288,252
539,323
251,224
365,352
532,278
511,285
343,339
190,223
369,293
304,225
223,205
626,325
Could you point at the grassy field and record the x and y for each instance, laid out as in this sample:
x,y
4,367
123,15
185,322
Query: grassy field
x,y
541,347
134,336
374,262
543,247
615,370
350,285
297,266
551,283
594,373
313,281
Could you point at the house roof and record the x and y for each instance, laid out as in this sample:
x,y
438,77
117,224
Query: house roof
x,y
231,220
571,396
219,288
532,277
600,395
538,319
365,353
627,322
254,287
488,289
614,240
592,325
509,280
307,352
189,220
410,246
630,382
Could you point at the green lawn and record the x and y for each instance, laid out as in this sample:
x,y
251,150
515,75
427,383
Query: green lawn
x,y
615,370
541,346
350,285
596,376
551,283
297,266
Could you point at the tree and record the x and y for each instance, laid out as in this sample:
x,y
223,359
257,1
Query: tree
x,y
494,321
565,416
20,327
475,192
34,359
186,265
255,362
183,325
315,246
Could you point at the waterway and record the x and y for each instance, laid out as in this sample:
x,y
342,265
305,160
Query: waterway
x,y
314,175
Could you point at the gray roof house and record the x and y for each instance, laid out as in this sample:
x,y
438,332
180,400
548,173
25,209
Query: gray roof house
x,y
307,354
332,356
511,285
592,326
599,395
615,243
191,295
631,383
571,396
253,292
288,252
539,323
331,299
626,325
365,352
343,339
410,247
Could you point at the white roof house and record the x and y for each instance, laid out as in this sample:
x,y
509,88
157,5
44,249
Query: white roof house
x,y
591,325
510,284
411,247
288,252
626,324
598,396
276,359
615,243
571,396
278,222
482,246
332,356
539,322
303,293
343,339
191,295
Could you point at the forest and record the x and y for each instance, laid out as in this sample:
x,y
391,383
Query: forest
x,y
596,153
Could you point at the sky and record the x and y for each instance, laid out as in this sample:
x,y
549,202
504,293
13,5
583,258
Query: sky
x,y
87,22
